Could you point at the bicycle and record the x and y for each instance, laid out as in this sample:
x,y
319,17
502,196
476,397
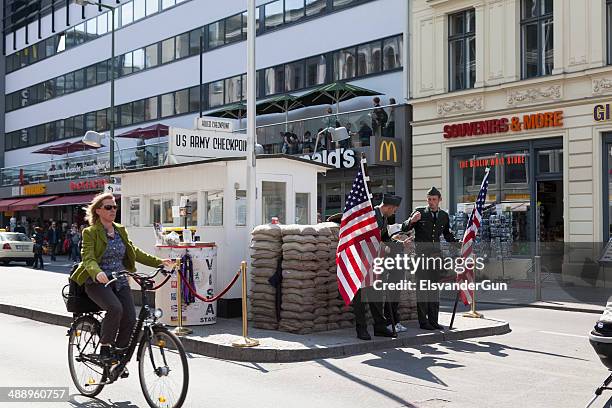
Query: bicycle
x,y
156,344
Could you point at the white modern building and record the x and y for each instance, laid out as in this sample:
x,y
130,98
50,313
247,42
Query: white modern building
x,y
57,82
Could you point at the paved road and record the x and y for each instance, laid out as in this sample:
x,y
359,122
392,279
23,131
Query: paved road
x,y
545,362
61,265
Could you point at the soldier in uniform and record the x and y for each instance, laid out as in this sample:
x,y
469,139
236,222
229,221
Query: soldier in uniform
x,y
382,327
429,223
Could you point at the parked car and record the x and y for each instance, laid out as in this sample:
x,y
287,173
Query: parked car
x,y
15,246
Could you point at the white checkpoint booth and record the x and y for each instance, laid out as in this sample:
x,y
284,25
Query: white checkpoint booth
x,y
286,188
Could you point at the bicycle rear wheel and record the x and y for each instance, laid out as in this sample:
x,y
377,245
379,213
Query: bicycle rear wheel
x,y
163,370
84,341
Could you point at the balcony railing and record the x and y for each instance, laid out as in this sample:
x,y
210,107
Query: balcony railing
x,y
293,137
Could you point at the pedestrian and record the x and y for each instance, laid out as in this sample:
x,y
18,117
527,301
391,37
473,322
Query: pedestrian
x,y
365,132
390,127
307,146
53,239
379,117
75,244
369,296
107,249
38,239
20,228
429,223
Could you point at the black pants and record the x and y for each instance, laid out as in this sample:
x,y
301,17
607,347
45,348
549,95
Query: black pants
x,y
392,297
366,296
120,316
38,258
428,301
52,251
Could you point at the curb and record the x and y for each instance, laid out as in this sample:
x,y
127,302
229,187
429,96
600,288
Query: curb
x,y
551,307
262,355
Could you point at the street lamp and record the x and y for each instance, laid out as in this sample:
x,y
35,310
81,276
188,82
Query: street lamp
x,y
112,84
94,139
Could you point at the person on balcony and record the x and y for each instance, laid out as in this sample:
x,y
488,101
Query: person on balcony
x,y
365,132
390,128
379,118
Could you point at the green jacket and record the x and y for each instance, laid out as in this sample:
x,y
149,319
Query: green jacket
x,y
94,245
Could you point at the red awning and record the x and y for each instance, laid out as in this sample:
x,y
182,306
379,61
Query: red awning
x,y
31,203
70,200
4,204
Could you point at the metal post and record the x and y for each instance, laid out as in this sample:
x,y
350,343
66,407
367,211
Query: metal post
x,y
180,330
537,274
201,68
111,156
245,341
251,123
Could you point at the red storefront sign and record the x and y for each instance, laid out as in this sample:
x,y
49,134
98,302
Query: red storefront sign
x,y
80,185
502,160
503,125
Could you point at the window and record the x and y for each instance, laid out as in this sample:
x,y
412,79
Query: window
x,y
138,111
302,208
215,94
79,79
79,33
90,76
139,9
192,217
275,80
126,64
294,76
101,120
167,3
369,58
233,28
91,29
167,211
167,104
536,37
392,53
214,208
216,34
342,3
103,23
609,29
316,71
102,71
138,60
152,7
167,53
126,114
182,46
245,21
134,212
154,211
462,50
241,206
194,41
181,101
151,56
127,13
344,64
314,7
273,201
69,82
151,108
294,10
194,99
273,14
232,89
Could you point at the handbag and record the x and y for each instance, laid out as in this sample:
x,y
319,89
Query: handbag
x,y
75,297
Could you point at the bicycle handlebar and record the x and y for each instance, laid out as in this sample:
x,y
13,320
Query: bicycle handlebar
x,y
137,276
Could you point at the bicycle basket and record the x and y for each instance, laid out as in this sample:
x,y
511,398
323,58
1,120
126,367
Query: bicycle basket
x,y
76,298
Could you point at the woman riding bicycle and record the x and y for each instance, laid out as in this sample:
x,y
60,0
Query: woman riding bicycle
x,y
107,249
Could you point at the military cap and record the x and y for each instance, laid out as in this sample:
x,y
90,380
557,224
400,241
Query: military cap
x,y
434,192
390,199
337,218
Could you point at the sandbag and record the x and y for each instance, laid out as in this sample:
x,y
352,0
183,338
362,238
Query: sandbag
x,y
302,239
259,297
260,279
266,245
298,283
262,253
261,288
259,311
300,265
300,292
299,256
267,229
296,307
265,326
296,246
295,229
333,326
302,300
320,319
263,272
266,263
293,274
288,314
319,327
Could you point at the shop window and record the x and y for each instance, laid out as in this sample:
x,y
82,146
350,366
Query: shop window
x,y
154,211
214,208
536,38
344,64
550,161
233,28
241,207
134,212
273,201
302,208
273,14
314,7
316,71
167,211
216,36
294,10
294,76
462,50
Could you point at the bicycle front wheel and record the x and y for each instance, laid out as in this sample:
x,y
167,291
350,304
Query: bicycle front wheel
x,y
163,370
84,341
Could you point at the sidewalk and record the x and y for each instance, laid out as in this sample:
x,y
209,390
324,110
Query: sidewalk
x,y
37,295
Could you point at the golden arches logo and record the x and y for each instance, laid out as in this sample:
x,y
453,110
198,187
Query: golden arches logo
x,y
388,145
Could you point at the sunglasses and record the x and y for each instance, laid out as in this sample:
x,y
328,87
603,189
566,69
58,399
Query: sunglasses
x,y
109,207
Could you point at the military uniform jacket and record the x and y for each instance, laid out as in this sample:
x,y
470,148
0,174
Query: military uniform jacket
x,y
427,231
383,223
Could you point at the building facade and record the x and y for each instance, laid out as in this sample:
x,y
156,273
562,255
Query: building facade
x,y
175,61
522,87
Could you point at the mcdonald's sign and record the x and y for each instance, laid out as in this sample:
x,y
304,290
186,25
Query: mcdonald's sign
x,y
388,151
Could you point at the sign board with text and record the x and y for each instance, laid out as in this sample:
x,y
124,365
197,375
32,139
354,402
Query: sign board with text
x,y
214,124
205,143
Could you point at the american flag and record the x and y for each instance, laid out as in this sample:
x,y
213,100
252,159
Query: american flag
x,y
469,237
359,240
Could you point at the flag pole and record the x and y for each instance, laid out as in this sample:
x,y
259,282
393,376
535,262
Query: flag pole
x,y
450,327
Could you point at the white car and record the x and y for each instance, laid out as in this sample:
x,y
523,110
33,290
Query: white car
x,y
15,246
